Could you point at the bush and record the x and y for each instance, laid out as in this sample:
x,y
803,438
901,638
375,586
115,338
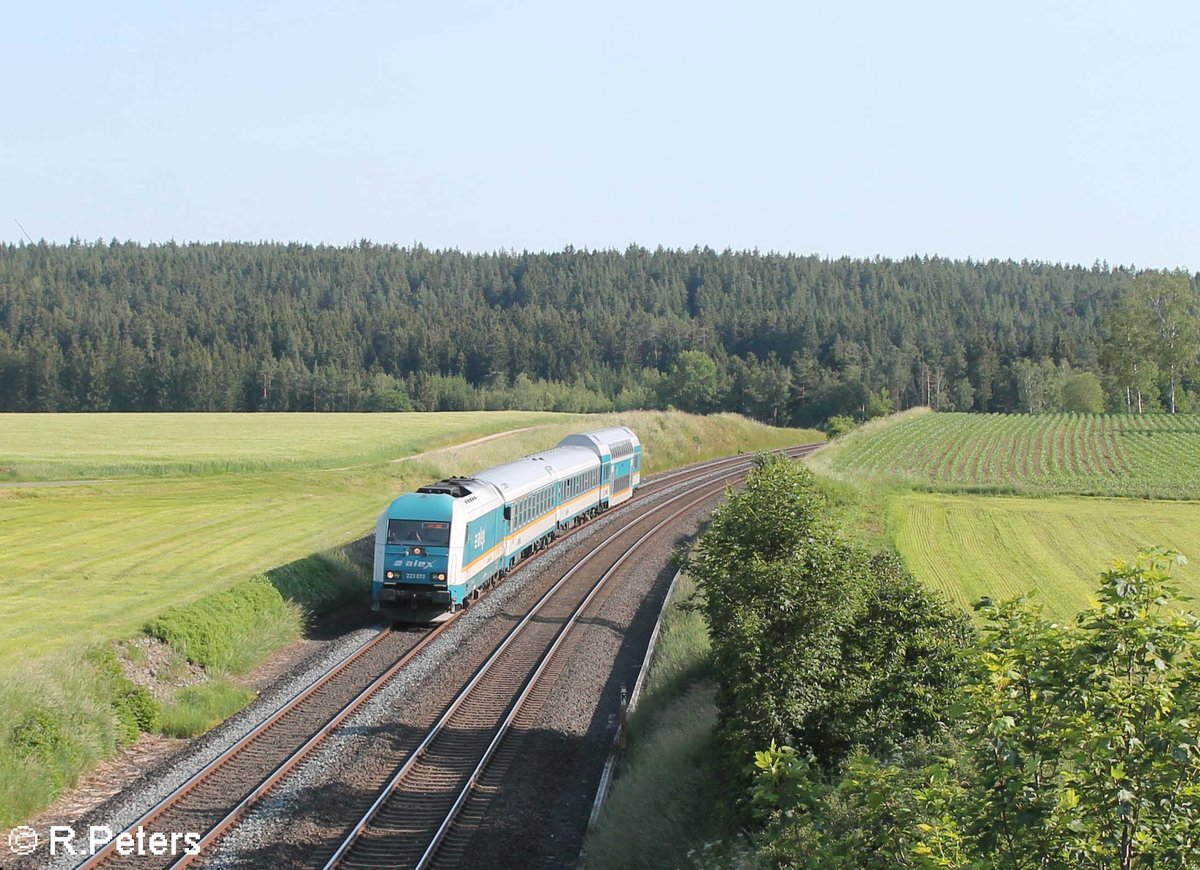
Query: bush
x,y
134,706
40,735
837,426
1073,746
816,644
197,709
321,582
230,630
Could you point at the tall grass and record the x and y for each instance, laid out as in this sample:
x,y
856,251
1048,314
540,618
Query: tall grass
x,y
197,709
57,718
665,801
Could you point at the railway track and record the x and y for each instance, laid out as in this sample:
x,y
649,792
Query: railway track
x,y
214,799
414,817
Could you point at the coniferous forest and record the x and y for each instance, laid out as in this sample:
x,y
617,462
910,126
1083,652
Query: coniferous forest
x,y
787,339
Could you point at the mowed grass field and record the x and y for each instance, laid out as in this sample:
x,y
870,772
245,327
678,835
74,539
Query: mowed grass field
x,y
36,447
173,507
1138,455
969,546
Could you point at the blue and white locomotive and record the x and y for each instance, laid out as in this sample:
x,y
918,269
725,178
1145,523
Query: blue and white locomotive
x,y
439,547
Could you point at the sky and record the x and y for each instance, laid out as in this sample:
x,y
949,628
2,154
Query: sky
x,y
1051,131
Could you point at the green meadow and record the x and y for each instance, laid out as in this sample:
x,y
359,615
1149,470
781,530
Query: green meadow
x,y
970,546
172,507
79,446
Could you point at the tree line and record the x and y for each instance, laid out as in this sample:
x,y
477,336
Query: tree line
x,y
783,338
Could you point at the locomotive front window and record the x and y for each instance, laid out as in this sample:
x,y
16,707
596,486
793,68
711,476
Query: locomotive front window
x,y
418,532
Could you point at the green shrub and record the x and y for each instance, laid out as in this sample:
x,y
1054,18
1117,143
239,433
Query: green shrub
x,y
137,711
197,709
816,643
837,426
321,582
134,707
234,629
230,630
40,735
1072,745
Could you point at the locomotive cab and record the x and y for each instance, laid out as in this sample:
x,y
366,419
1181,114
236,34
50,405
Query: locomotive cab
x,y
412,555
435,548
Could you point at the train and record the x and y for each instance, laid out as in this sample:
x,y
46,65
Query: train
x,y
439,548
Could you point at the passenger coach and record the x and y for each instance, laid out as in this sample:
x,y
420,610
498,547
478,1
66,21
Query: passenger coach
x,y
439,547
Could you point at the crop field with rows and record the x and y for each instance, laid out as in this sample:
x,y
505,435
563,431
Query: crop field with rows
x,y
1138,455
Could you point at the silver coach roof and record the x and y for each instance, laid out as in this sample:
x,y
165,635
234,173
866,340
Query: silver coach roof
x,y
520,476
568,460
602,441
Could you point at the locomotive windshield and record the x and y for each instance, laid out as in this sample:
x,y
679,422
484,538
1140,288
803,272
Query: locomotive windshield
x,y
418,532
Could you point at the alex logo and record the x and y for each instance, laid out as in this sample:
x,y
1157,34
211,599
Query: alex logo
x,y
414,563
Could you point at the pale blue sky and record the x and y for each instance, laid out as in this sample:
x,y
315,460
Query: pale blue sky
x,y
1057,131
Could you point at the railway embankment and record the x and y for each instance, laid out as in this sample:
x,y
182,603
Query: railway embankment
x,y
191,669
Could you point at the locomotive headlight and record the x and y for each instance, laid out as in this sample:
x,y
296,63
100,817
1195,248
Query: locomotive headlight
x,y
439,577
418,551
391,575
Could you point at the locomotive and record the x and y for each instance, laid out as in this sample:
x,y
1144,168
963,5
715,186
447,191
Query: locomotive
x,y
438,548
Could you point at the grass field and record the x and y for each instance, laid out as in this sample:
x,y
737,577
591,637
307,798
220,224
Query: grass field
x,y
79,446
97,561
1140,455
968,546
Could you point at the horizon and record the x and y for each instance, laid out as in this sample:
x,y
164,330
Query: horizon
x,y
1103,265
